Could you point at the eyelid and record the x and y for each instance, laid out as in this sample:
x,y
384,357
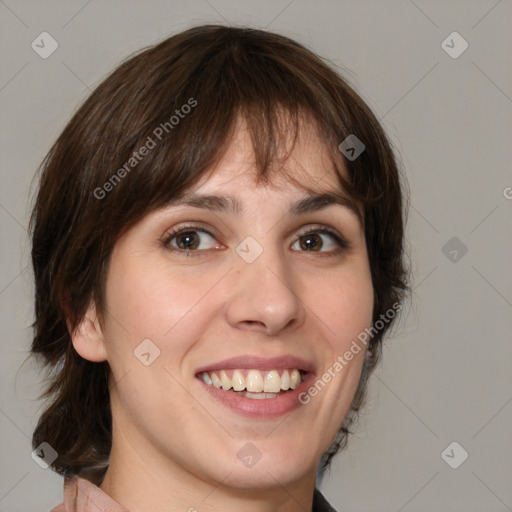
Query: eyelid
x,y
190,226
175,230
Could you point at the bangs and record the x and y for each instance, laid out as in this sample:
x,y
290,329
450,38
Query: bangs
x,y
185,111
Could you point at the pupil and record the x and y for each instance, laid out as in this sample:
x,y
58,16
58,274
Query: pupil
x,y
187,239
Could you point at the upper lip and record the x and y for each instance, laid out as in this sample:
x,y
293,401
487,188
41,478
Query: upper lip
x,y
259,363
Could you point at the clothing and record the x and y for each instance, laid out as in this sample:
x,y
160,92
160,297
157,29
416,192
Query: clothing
x,y
80,495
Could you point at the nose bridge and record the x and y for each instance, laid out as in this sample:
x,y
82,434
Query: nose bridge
x,y
264,294
269,270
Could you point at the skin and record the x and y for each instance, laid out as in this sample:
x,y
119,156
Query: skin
x,y
174,447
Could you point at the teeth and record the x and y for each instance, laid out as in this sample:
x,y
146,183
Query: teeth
x,y
256,384
254,381
259,396
225,381
206,378
295,379
272,382
238,381
285,380
215,380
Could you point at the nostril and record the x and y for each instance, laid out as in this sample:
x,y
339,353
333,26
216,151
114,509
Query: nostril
x,y
253,323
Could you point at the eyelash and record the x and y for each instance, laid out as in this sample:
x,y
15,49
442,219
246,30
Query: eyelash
x,y
343,244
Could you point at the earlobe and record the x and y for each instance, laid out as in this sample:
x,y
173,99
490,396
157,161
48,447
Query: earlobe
x,y
88,339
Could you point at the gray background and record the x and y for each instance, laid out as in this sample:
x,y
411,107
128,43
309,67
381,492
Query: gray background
x,y
446,373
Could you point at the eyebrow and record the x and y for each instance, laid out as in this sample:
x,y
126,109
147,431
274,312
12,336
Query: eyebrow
x,y
310,203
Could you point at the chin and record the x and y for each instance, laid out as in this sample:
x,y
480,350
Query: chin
x,y
263,465
264,475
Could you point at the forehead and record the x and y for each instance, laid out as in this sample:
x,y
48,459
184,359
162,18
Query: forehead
x,y
301,164
304,180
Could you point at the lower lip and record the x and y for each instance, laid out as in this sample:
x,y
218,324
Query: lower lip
x,y
264,407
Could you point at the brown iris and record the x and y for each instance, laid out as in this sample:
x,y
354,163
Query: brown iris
x,y
310,242
189,238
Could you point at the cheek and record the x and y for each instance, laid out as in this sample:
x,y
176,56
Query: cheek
x,y
344,304
147,301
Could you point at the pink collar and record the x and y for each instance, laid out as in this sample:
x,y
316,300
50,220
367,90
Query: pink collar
x,y
80,495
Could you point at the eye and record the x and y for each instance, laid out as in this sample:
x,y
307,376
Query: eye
x,y
320,240
189,239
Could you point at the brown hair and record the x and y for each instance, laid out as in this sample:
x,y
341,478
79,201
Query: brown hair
x,y
184,95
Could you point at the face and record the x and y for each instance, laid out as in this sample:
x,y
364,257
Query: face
x,y
263,299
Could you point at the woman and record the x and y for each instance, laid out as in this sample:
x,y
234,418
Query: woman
x,y
218,252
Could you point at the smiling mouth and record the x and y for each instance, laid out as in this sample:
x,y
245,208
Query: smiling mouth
x,y
255,384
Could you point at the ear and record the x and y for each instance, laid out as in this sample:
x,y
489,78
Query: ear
x,y
88,339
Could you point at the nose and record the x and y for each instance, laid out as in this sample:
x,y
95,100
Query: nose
x,y
265,296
